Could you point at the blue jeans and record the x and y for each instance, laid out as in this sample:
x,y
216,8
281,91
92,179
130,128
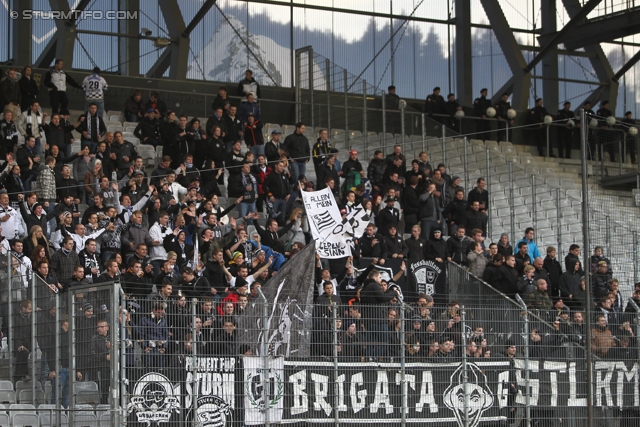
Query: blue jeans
x,y
87,142
280,206
257,150
98,102
244,208
377,338
427,226
64,386
297,169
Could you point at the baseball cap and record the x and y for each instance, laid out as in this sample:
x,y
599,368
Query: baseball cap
x,y
353,152
151,110
275,132
390,199
138,172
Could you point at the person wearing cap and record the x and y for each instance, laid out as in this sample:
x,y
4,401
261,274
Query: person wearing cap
x,y
56,79
249,85
480,105
392,245
565,133
352,165
434,104
147,129
388,216
321,150
297,146
94,86
273,149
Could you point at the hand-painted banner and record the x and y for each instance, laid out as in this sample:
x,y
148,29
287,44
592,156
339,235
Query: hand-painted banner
x,y
326,224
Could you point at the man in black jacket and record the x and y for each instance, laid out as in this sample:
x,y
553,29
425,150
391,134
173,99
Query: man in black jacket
x,y
393,246
147,129
416,244
297,145
491,273
29,161
436,246
374,302
278,189
269,235
388,216
370,244
410,204
458,247
456,212
57,132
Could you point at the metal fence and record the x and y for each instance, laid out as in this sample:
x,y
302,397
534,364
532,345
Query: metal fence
x,y
481,358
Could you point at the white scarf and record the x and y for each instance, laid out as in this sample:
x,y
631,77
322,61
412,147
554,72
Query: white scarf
x,y
38,117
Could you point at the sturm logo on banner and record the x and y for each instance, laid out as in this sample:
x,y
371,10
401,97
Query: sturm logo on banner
x,y
480,396
154,399
426,274
213,411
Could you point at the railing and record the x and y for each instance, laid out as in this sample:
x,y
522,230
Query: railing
x,y
494,361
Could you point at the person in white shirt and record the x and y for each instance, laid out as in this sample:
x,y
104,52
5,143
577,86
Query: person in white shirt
x,y
159,230
176,189
80,238
94,87
12,223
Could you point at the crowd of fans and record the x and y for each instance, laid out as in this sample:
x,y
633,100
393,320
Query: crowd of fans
x,y
168,237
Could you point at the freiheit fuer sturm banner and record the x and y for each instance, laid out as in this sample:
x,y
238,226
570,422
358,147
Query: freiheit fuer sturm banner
x,y
221,392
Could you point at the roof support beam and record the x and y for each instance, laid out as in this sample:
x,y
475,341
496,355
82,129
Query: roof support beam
x,y
521,81
464,61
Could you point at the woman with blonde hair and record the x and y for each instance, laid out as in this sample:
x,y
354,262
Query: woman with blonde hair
x,y
35,238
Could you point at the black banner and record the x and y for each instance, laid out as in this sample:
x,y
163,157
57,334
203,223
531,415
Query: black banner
x,y
289,296
427,277
225,391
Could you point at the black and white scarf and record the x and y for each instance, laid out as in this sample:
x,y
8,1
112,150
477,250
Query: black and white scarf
x,y
30,122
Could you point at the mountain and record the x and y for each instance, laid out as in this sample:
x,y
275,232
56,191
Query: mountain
x,y
225,58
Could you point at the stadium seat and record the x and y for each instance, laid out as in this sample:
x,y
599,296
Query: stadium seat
x,y
87,392
114,128
82,419
6,385
49,418
7,396
27,396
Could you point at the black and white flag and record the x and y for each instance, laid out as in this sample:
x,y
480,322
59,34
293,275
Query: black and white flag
x,y
285,330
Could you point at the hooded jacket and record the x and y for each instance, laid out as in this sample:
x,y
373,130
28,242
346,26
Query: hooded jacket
x,y
435,248
569,280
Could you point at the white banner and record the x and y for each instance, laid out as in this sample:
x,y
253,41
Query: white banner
x,y
326,224
254,393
